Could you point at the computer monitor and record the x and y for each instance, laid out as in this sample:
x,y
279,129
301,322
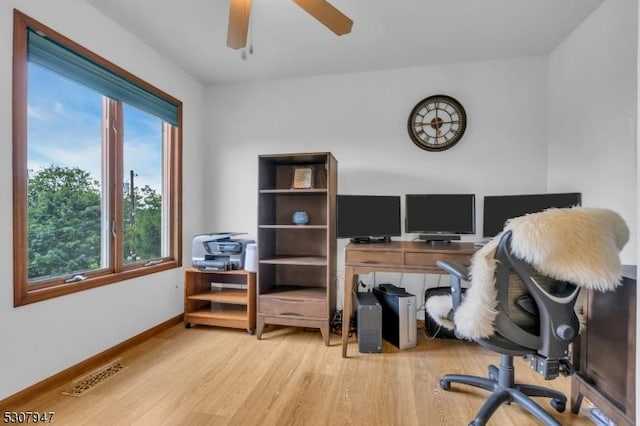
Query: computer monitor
x,y
440,217
368,218
499,208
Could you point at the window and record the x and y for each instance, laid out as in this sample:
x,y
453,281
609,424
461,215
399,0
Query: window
x,y
96,169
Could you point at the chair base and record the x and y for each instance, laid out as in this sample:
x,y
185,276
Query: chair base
x,y
504,390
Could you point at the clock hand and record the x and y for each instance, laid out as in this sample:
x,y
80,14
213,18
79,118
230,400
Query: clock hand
x,y
442,122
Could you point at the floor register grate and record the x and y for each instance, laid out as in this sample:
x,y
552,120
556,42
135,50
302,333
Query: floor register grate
x,y
94,378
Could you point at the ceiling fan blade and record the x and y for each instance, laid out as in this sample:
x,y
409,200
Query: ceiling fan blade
x,y
238,23
328,15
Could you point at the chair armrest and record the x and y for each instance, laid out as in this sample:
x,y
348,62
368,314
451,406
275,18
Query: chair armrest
x,y
455,269
458,272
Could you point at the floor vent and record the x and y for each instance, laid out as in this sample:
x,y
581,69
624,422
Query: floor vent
x,y
93,379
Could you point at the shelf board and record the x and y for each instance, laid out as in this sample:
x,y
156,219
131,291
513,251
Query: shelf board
x,y
296,260
296,293
232,313
228,272
232,296
297,159
294,191
292,226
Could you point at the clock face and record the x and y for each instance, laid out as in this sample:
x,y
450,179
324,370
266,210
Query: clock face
x,y
437,123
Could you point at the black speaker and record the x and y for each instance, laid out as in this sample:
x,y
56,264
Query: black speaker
x,y
369,319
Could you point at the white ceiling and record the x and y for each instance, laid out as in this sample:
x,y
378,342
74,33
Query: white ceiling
x,y
288,42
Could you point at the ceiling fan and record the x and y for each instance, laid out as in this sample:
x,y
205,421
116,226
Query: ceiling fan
x,y
324,12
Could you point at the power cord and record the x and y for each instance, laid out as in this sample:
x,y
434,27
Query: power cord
x,y
435,334
335,325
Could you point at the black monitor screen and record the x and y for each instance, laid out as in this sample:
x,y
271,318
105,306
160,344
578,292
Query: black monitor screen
x,y
441,213
499,208
362,216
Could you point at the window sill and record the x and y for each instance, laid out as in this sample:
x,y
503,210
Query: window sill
x,y
31,295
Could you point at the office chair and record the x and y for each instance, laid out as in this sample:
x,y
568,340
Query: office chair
x,y
522,300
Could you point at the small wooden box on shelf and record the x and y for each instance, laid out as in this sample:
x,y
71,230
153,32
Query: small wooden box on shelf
x,y
208,301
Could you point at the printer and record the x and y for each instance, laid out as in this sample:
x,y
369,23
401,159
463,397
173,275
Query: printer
x,y
219,251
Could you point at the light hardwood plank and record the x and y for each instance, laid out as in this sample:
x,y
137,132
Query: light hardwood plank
x,y
217,376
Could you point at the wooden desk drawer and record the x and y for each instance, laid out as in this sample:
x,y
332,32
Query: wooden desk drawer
x,y
422,259
307,308
374,257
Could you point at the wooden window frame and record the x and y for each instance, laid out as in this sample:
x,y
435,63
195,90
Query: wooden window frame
x,y
26,292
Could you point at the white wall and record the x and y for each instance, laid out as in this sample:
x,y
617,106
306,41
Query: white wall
x,y
592,113
361,118
41,339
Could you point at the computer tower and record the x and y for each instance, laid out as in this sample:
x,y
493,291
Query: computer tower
x,y
369,323
398,315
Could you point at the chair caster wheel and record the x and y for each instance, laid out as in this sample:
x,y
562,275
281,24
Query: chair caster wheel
x,y
444,385
559,405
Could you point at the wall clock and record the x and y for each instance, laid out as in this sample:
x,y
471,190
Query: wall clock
x,y
437,123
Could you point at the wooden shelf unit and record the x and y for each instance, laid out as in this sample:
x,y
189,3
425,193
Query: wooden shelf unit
x,y
296,263
216,305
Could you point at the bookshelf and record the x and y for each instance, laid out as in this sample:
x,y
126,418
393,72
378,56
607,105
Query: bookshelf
x,y
296,262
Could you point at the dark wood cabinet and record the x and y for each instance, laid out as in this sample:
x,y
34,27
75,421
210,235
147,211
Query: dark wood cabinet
x,y
296,262
604,355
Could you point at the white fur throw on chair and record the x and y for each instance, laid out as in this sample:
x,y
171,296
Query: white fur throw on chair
x,y
580,245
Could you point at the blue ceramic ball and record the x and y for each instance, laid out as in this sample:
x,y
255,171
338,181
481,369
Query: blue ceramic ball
x,y
300,217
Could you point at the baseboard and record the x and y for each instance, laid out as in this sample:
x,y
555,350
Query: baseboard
x,y
85,366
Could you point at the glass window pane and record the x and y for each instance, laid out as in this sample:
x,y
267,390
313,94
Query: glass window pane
x,y
64,159
143,187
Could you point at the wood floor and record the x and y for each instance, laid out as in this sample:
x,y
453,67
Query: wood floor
x,y
216,376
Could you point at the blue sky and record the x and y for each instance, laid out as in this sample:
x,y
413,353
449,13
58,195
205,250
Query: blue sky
x,y
64,129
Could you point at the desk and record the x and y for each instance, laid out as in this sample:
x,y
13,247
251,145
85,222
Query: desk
x,y
416,257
